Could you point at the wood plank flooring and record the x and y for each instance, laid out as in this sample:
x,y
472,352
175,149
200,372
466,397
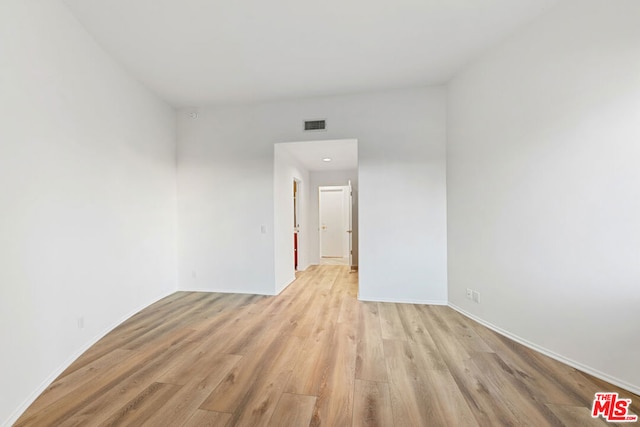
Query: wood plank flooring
x,y
312,356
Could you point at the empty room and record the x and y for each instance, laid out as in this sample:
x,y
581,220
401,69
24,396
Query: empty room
x,y
345,213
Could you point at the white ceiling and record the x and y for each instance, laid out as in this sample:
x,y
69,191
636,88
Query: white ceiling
x,y
342,152
211,52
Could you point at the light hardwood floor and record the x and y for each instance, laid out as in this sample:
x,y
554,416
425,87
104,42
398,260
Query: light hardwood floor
x,y
313,356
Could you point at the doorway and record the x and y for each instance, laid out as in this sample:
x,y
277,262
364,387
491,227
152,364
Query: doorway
x,y
296,223
335,224
311,164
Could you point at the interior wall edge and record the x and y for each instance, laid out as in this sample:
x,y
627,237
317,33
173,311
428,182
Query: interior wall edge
x,y
402,300
213,291
305,266
282,288
633,388
56,373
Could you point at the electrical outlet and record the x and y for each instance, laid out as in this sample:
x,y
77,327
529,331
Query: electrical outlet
x,y
469,294
476,296
80,321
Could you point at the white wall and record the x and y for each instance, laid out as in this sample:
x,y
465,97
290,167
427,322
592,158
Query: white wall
x,y
286,169
225,180
543,186
87,196
331,178
225,200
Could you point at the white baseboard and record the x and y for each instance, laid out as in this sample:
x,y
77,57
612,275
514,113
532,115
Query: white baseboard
x,y
560,358
304,268
223,291
56,373
402,300
290,281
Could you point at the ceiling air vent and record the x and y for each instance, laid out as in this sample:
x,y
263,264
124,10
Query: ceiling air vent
x,y
311,125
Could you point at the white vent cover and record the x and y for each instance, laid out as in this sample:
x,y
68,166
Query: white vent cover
x,y
315,125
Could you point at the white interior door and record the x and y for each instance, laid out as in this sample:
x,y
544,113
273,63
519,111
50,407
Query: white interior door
x,y
332,222
350,222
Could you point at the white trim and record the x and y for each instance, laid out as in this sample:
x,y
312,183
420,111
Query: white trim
x,y
402,301
56,373
289,282
217,291
560,358
300,269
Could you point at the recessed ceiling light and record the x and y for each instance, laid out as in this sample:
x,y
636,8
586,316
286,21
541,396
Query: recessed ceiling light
x,y
326,159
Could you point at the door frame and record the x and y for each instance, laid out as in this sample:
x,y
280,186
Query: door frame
x,y
345,215
297,183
